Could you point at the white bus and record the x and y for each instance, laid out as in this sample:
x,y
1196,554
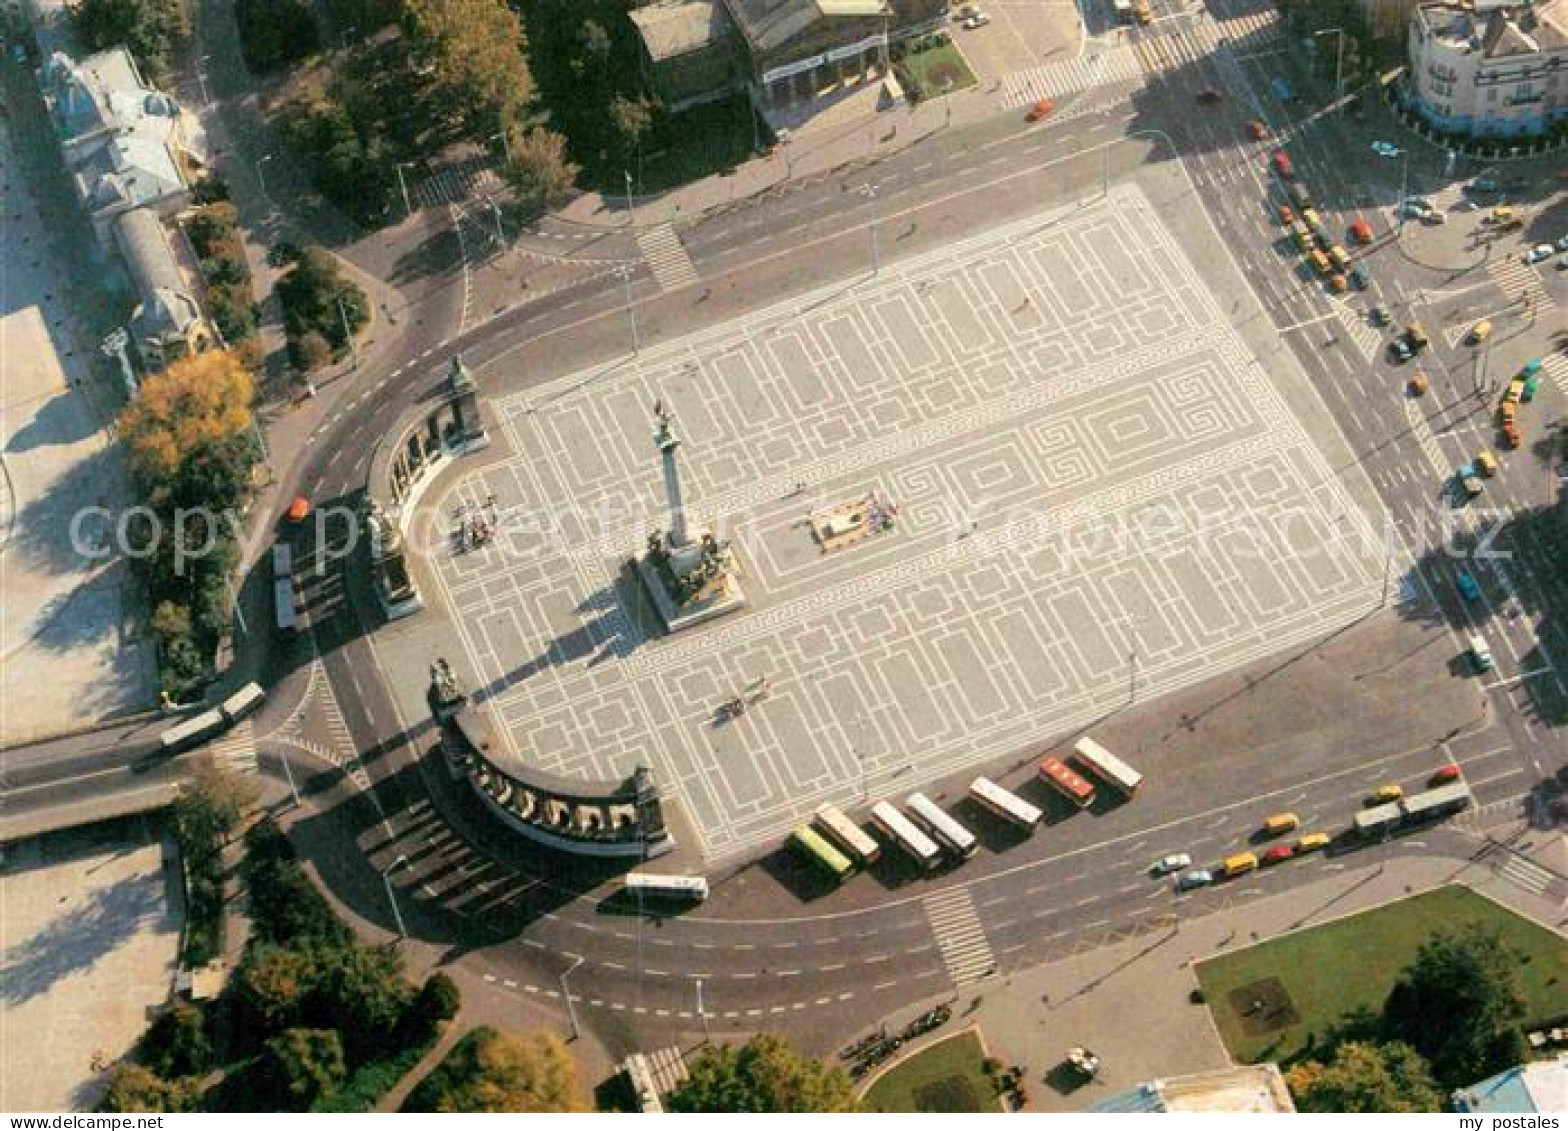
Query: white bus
x,y
196,729
1004,803
282,560
284,605
850,837
242,702
694,888
941,825
902,831
1107,767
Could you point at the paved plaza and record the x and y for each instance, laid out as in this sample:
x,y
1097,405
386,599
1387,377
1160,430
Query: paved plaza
x,y
1098,491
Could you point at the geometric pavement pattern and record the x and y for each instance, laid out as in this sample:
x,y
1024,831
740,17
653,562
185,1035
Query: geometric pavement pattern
x,y
1094,479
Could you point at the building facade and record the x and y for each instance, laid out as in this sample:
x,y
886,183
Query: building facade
x,y
1490,68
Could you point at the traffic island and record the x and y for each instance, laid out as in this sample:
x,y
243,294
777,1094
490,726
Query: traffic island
x,y
948,1076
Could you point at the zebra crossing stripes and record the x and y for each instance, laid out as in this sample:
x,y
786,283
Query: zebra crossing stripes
x,y
1555,366
1518,279
959,935
236,750
452,184
1252,33
1363,336
1070,76
666,255
1527,874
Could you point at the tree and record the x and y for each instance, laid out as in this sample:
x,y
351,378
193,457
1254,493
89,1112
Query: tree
x,y
362,993
1366,1077
176,1044
491,1071
212,805
763,1075
305,1065
309,352
475,52
149,28
134,1088
1459,1005
274,33
436,1003
632,119
538,170
317,298
187,434
274,983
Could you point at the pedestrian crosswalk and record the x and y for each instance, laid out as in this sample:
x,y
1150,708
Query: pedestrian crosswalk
x,y
1555,366
1251,33
1355,326
1518,279
1525,873
1070,76
451,184
959,935
236,749
666,255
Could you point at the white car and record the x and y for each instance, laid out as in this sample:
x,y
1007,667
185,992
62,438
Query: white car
x,y
1562,244
1539,252
1175,862
1384,149
979,19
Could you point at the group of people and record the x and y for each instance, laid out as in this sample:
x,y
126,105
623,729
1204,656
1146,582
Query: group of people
x,y
755,692
475,526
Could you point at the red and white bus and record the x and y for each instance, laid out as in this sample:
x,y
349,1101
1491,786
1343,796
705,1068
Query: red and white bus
x,y
1054,772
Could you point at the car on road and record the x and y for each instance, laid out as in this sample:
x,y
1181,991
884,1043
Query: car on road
x,y
1416,205
1480,652
1278,823
1384,149
1281,162
1434,216
1539,252
1445,774
1399,350
1416,334
1383,794
1531,384
1360,276
1380,315
1259,130
1481,331
299,509
979,19
1208,96
1278,853
1360,231
1287,215
1483,184
1468,589
1175,862
1418,383
1468,482
1040,110
1197,878
1511,435
1311,843
1562,244
1487,462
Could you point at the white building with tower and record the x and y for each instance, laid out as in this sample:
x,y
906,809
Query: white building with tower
x,y
1490,68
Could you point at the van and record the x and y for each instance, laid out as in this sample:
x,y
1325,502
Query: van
x,y
1312,842
1281,823
1480,653
1239,863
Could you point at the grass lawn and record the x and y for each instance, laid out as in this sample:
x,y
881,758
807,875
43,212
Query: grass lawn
x,y
1308,980
945,1076
929,70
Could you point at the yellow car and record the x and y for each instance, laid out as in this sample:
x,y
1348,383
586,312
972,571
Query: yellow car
x,y
1487,462
1280,823
1312,842
1481,331
1384,794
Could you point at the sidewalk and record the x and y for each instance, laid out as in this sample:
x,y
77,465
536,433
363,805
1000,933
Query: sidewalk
x,y
1129,1002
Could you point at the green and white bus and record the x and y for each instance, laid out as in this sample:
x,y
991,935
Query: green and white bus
x,y
810,844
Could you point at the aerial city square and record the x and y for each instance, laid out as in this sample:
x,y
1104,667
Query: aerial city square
x,y
784,556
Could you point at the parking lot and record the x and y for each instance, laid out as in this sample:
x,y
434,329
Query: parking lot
x,y
1097,490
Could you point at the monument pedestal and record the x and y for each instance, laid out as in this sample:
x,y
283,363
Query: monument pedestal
x,y
722,596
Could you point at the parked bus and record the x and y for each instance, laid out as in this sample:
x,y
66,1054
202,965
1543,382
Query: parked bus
x,y
192,731
1107,767
242,702
942,826
902,831
1054,772
1377,819
282,560
849,837
694,888
1004,803
829,860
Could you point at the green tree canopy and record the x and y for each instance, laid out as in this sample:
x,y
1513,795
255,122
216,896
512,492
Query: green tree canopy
x,y
474,49
492,1071
304,1065
134,1088
275,983
538,171
1366,1077
149,28
1459,1005
176,1043
212,804
763,1075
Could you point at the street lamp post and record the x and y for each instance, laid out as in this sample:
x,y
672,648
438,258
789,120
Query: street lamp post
x,y
707,1033
408,208
261,176
114,346
1339,59
566,992
201,79
625,272
495,210
386,882
869,191
631,216
348,332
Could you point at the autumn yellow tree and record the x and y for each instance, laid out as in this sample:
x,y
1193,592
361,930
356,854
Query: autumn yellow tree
x,y
475,51
492,1071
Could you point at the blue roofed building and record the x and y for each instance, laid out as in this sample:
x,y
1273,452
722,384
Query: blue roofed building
x,y
1253,1089
1538,1087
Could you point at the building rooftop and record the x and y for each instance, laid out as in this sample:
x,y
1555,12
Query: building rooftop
x,y
680,27
1542,1086
1251,1089
1498,31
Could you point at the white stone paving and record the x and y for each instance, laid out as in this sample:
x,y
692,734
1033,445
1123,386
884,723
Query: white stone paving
x,y
1087,463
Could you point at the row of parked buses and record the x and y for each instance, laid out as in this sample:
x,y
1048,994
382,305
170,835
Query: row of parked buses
x,y
922,830
196,729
